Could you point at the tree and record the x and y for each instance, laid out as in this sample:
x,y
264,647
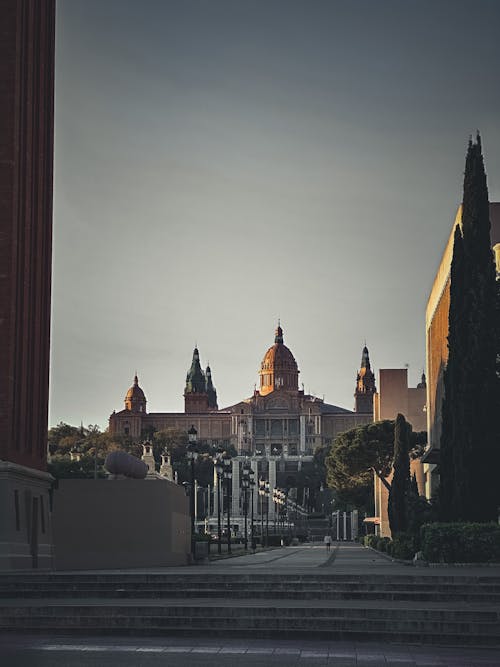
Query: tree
x,y
357,454
470,434
451,447
400,485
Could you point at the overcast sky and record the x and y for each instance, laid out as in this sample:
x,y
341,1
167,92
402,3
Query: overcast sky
x,y
220,164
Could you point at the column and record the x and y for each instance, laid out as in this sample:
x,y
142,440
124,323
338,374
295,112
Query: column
x,y
216,501
254,466
302,445
235,505
272,485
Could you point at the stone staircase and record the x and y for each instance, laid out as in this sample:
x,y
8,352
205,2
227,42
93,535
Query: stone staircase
x,y
440,609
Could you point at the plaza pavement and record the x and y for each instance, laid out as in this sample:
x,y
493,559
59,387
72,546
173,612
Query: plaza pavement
x,y
345,558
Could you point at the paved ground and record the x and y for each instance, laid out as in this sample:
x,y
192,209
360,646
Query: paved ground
x,y
30,651
344,558
43,651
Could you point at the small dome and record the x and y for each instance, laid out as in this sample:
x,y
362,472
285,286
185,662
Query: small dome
x,y
135,399
135,392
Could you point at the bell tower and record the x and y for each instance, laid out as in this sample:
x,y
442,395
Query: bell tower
x,y
365,386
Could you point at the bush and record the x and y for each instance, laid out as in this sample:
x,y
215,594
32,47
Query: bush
x,y
371,541
383,544
461,542
403,546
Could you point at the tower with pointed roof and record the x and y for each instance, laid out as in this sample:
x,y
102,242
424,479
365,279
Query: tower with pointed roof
x,y
211,391
135,400
365,386
199,394
278,370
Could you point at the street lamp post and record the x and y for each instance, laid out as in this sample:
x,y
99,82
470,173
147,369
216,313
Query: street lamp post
x,y
192,454
262,486
245,483
219,469
228,476
251,481
266,493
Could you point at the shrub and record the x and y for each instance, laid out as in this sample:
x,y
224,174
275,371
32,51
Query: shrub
x,y
403,546
383,544
372,541
461,542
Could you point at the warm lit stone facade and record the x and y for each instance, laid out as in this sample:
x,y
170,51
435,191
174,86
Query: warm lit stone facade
x,y
275,430
279,419
436,328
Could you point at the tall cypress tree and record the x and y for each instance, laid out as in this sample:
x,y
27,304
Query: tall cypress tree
x,y
470,433
450,459
400,485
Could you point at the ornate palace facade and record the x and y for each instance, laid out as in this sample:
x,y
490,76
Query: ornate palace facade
x,y
278,420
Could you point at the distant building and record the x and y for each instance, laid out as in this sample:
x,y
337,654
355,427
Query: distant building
x,y
436,330
393,397
276,429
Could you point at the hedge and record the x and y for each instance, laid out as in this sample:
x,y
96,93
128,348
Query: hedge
x,y
460,542
403,546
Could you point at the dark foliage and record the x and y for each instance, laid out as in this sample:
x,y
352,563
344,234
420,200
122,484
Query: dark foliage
x,y
470,433
400,485
461,542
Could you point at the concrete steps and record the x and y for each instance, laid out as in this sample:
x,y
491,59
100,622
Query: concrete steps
x,y
464,626
439,609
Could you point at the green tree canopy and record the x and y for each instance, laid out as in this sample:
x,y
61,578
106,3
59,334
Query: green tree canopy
x,y
356,454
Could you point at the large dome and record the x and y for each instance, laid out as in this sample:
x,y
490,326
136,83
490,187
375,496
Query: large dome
x,y
278,370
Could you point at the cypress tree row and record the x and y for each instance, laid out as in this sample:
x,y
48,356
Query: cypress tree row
x,y
400,485
469,442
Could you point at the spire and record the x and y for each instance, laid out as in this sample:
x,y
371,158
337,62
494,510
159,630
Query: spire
x,y
365,358
365,385
195,379
278,338
423,382
212,393
136,380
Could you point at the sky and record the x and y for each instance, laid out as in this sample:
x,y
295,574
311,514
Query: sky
x,y
220,164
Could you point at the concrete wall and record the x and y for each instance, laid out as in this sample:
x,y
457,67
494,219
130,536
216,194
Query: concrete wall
x,y
102,524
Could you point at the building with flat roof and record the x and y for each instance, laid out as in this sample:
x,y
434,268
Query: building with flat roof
x,y
436,335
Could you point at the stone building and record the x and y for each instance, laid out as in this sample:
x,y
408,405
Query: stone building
x,y
276,429
436,331
393,397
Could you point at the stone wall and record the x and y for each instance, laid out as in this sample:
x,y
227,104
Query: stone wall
x,y
123,523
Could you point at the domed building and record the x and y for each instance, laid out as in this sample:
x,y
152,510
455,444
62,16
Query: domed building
x,y
276,429
135,401
278,370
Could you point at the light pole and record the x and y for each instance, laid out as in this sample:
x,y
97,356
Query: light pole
x,y
262,492
219,469
192,454
245,483
228,474
266,493
252,485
